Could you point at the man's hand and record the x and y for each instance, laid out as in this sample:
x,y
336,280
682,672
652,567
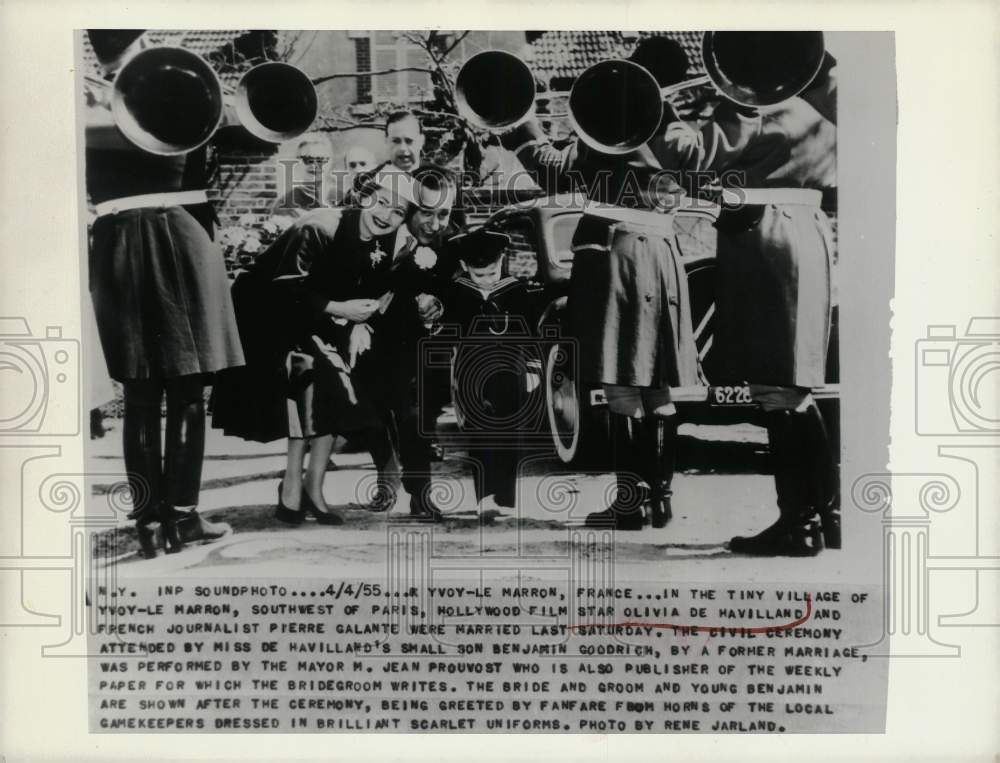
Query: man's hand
x,y
429,307
354,310
360,342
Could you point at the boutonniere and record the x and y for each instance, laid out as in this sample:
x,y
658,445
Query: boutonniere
x,y
425,257
378,255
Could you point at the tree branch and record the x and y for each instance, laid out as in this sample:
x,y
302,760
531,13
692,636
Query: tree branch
x,y
327,77
456,43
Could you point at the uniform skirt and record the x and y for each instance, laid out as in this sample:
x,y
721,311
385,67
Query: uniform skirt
x,y
773,299
161,296
628,305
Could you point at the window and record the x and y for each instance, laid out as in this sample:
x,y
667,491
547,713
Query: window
x,y
363,63
391,50
563,228
522,254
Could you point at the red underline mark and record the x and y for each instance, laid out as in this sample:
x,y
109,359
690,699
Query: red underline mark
x,y
707,628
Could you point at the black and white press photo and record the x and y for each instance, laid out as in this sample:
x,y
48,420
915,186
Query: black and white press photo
x,y
484,381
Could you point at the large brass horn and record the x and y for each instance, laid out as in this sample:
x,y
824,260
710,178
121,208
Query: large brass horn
x,y
495,90
757,68
167,100
762,68
615,106
276,101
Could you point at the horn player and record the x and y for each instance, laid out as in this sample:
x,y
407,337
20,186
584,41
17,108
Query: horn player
x,y
628,307
163,307
773,293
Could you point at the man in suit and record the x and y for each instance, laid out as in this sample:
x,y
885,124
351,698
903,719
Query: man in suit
x,y
315,187
404,142
413,307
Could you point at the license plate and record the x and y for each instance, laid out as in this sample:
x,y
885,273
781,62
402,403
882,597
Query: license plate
x,y
730,395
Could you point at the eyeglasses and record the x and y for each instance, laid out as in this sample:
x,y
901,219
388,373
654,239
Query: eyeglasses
x,y
357,165
314,159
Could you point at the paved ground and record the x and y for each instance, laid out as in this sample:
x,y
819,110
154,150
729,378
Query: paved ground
x,y
722,489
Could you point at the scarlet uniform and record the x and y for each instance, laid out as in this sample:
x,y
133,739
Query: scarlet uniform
x,y
163,309
159,285
628,308
773,296
772,322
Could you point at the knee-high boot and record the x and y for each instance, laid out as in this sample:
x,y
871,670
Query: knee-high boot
x,y
797,532
658,447
183,457
820,479
625,511
141,441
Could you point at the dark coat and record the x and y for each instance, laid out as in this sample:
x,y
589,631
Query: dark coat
x,y
496,357
495,348
158,282
628,305
774,262
280,308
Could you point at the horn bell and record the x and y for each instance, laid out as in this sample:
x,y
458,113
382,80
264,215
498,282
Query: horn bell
x,y
167,100
762,68
495,90
276,101
615,106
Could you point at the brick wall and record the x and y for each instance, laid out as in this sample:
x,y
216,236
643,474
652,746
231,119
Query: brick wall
x,y
248,183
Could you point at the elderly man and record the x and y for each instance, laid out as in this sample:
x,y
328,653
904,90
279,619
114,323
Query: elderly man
x,y
309,182
358,160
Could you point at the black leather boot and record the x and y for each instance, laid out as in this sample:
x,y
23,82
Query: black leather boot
x,y
659,435
797,531
185,441
183,457
141,441
625,510
192,528
820,482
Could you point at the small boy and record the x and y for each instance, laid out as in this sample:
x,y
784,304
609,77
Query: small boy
x,y
497,364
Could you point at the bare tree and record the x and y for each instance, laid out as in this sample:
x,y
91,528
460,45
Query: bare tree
x,y
449,136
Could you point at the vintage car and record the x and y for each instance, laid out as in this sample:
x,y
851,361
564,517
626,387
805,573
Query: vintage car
x,y
576,417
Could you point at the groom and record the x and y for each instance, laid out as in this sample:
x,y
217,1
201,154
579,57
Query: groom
x,y
413,307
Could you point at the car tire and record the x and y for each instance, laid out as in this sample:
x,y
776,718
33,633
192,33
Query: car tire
x,y
580,431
